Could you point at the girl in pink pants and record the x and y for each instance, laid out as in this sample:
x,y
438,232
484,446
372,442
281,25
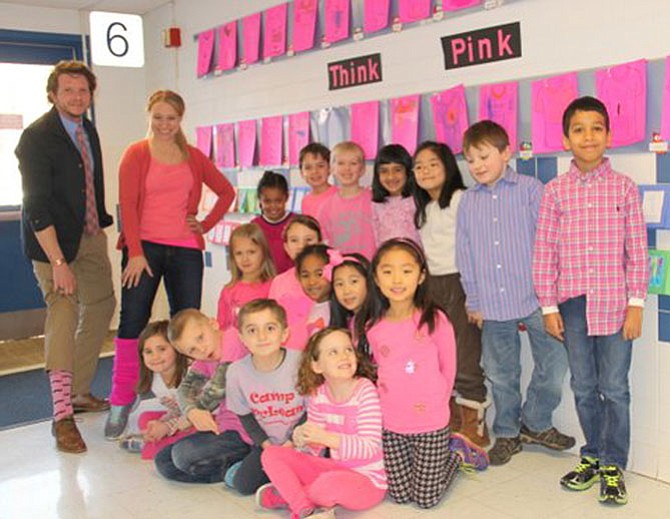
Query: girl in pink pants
x,y
343,415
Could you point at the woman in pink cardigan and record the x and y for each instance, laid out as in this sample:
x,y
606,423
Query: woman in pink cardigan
x,y
160,183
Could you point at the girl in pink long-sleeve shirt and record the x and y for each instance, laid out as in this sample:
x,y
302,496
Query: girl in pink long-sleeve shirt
x,y
343,414
413,344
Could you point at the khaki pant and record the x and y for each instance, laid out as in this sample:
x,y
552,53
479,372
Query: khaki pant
x,y
76,325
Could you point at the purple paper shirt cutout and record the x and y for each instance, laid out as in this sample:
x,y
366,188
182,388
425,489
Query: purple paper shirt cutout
x,y
405,121
413,10
500,103
246,142
227,46
336,20
304,24
376,15
225,145
203,139
271,141
455,5
205,52
365,127
450,116
623,89
274,35
549,99
298,135
251,34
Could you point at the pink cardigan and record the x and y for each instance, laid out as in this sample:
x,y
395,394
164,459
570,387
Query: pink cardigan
x,y
133,171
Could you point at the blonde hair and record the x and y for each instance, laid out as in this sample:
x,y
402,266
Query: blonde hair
x,y
254,233
346,147
179,322
177,102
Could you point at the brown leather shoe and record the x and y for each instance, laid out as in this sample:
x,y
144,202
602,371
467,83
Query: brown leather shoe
x,y
67,436
89,404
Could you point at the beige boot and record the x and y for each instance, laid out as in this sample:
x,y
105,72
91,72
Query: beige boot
x,y
474,420
456,418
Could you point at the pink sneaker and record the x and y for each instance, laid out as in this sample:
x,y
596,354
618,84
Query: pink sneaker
x,y
268,497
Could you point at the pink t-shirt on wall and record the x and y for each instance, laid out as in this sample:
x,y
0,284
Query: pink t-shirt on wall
x,y
347,223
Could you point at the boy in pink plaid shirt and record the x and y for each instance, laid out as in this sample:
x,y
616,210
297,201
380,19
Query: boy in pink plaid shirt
x,y
590,273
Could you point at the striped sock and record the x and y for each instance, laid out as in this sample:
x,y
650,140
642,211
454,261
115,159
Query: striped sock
x,y
61,393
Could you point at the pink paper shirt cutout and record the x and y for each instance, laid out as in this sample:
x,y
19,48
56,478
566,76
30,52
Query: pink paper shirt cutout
x,y
365,127
500,103
304,24
376,15
274,35
246,142
203,139
455,5
271,141
225,145
450,116
665,114
413,10
549,99
298,135
405,121
623,89
336,20
227,46
205,52
251,34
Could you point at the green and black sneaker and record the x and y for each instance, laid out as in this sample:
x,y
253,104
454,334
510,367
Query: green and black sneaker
x,y
612,486
584,476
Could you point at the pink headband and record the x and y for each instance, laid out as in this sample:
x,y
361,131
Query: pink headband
x,y
335,259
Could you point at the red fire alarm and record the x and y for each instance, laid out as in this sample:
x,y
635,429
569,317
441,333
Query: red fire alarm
x,y
172,37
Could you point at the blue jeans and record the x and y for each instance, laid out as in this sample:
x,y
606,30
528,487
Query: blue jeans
x,y
599,365
180,268
501,350
202,457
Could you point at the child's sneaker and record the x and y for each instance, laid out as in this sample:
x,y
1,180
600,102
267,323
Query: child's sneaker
x,y
584,476
612,486
503,449
229,476
268,497
472,455
552,438
132,444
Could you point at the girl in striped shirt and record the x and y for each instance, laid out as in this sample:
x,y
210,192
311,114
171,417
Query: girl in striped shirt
x,y
344,416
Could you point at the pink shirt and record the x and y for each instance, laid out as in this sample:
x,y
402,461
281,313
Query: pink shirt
x,y
347,223
311,203
234,297
273,234
394,218
592,240
416,373
286,290
163,218
358,421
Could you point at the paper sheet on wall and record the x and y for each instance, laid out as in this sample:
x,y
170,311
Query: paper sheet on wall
x,y
623,89
500,103
304,24
665,114
336,16
227,46
251,35
271,141
225,145
450,117
413,10
246,142
365,127
298,135
549,99
274,34
332,125
203,139
205,52
376,15
405,121
455,5
652,206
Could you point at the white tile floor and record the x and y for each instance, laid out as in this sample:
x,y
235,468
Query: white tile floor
x,y
38,482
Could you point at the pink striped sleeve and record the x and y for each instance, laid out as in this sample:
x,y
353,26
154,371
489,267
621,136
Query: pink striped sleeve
x,y
545,253
637,267
366,442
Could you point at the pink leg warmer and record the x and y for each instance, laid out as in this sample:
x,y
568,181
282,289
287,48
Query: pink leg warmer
x,y
126,372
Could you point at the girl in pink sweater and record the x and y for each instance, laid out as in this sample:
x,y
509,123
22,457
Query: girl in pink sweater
x,y
251,273
343,414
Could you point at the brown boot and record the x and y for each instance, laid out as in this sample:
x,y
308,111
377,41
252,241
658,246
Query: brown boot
x,y
456,418
67,436
474,421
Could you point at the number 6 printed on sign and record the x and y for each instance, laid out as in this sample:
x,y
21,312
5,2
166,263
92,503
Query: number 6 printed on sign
x,y
117,40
